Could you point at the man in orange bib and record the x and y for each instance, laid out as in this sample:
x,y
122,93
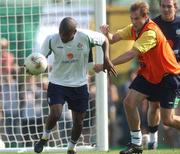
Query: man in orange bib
x,y
158,76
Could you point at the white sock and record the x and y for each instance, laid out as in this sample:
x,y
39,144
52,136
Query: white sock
x,y
46,134
153,137
136,137
71,146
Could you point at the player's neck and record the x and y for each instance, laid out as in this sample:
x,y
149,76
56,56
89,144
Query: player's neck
x,y
168,19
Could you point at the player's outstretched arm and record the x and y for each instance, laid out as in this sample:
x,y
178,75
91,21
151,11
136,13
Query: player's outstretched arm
x,y
112,38
107,65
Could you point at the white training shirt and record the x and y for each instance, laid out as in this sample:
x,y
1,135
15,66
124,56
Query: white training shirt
x,y
70,62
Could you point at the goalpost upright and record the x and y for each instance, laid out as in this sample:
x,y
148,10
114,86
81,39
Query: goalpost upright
x,y
101,85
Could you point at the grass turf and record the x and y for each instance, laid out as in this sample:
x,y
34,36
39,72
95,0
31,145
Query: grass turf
x,y
163,151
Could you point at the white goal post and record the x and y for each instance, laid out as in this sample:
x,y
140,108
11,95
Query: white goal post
x,y
24,24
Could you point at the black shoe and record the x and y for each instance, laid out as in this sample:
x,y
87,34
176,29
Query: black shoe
x,y
38,147
152,145
71,152
132,149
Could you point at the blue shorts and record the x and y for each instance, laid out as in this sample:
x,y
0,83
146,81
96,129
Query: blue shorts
x,y
76,97
167,92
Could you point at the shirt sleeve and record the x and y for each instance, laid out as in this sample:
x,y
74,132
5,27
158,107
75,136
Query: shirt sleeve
x,y
146,41
95,38
45,49
125,33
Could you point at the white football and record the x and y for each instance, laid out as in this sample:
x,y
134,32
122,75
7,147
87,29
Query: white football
x,y
36,63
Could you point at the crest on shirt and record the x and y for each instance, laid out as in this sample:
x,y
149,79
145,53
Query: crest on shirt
x,y
70,56
80,45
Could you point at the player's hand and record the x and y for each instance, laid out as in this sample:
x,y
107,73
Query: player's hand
x,y
104,29
109,67
106,66
98,68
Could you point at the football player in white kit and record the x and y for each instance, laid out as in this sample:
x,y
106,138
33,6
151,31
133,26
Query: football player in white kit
x,y
72,48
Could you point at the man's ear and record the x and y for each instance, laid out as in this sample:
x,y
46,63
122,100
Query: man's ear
x,y
75,31
176,7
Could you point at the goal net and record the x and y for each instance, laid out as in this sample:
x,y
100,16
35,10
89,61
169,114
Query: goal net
x,y
24,24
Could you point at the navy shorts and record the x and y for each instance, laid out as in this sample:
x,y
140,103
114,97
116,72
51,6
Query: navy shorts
x,y
167,92
76,97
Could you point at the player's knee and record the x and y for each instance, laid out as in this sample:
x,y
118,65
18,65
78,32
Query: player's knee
x,y
167,121
154,108
128,104
78,124
55,115
55,112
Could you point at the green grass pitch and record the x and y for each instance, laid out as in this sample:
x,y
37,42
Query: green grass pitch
x,y
163,151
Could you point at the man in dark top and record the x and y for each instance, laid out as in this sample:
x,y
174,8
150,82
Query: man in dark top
x,y
171,30
169,23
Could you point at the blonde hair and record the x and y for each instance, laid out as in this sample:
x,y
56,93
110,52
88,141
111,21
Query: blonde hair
x,y
142,6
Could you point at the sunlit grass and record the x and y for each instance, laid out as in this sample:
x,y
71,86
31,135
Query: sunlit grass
x,y
163,151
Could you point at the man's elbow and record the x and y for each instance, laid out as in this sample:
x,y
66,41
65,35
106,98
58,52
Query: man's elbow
x,y
111,41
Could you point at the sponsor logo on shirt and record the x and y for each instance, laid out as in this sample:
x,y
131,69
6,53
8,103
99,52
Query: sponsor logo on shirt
x,y
70,59
70,56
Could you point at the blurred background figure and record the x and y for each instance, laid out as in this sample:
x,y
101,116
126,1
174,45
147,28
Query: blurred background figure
x,y
7,58
8,95
113,102
169,23
32,126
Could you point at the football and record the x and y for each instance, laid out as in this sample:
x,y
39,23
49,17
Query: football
x,y
36,63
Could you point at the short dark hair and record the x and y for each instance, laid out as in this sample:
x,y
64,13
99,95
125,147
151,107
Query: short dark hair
x,y
68,24
142,6
175,3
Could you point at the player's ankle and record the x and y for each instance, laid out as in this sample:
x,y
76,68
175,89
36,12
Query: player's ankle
x,y
46,134
72,145
153,134
136,137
